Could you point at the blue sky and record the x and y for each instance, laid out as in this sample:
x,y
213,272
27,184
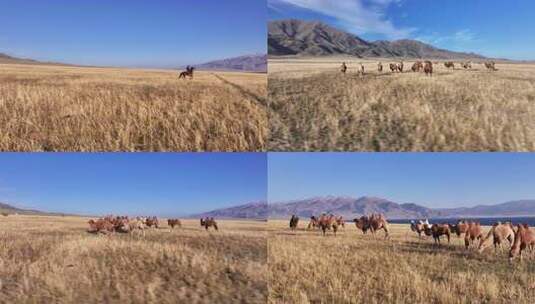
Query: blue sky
x,y
163,33
430,179
163,184
494,28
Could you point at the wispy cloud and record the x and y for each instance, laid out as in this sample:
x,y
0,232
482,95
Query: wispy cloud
x,y
356,16
457,39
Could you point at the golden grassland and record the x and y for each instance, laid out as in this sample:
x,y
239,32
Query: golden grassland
x,y
60,108
305,267
53,260
313,107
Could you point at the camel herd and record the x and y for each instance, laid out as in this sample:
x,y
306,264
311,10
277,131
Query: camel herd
x,y
124,224
327,222
519,237
420,66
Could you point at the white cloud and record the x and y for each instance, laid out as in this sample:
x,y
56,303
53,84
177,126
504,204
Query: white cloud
x,y
460,37
356,16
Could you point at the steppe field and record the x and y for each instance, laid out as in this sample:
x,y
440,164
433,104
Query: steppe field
x,y
54,260
306,267
62,108
313,107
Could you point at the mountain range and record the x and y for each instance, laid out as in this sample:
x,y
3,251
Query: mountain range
x,y
350,207
254,210
312,38
248,63
354,207
10,59
9,209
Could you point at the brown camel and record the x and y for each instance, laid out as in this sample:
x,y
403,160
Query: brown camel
x,y
466,65
373,223
328,222
174,222
473,233
209,222
419,227
379,67
460,228
438,230
524,238
400,67
490,65
313,223
417,66
294,221
343,68
428,68
393,67
449,64
500,232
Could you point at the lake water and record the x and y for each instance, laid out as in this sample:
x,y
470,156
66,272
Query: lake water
x,y
486,221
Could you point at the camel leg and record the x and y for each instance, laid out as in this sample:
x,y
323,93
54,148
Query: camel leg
x,y
448,238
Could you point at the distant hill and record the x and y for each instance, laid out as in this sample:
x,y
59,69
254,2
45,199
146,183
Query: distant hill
x,y
349,207
254,210
9,59
297,37
512,208
248,63
6,208
354,207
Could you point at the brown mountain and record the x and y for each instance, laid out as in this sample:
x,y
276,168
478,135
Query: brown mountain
x,y
350,208
254,210
9,59
248,63
9,209
354,207
297,37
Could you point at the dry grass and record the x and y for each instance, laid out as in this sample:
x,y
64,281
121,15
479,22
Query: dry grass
x,y
53,260
305,267
315,108
55,108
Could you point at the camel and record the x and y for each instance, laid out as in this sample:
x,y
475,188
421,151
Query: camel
x,y
361,71
209,222
393,67
473,233
103,226
466,65
152,222
400,67
490,65
428,68
328,222
438,230
449,64
379,67
417,66
460,228
313,223
524,238
340,221
187,73
293,222
373,223
343,68
499,232
420,227
174,222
